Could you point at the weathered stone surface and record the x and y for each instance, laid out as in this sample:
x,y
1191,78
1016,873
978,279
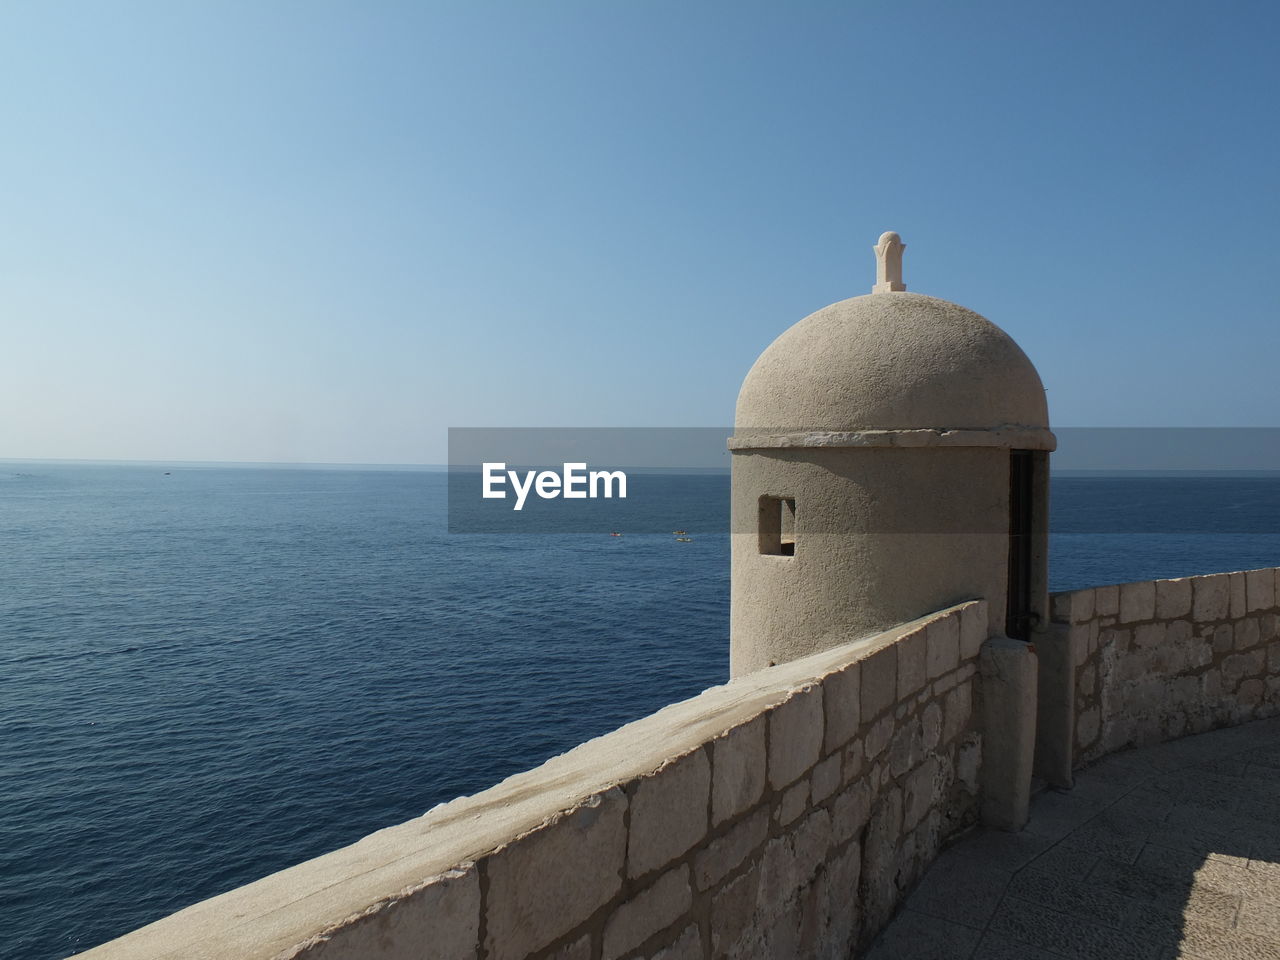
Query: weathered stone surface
x,y
957,708
931,726
1149,635
1238,666
1106,600
878,737
880,892
579,949
795,800
1137,601
1211,597
973,629
906,750
879,683
725,854
668,813
942,640
795,736
739,761
912,650
687,947
1173,598
826,777
918,792
1260,590
659,905
733,912
791,860
1236,586
853,757
1248,633
441,916
842,700
850,811
545,883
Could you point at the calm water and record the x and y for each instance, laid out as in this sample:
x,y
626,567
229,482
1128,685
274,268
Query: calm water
x,y
213,674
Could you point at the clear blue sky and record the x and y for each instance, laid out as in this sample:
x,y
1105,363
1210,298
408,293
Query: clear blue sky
x,y
326,231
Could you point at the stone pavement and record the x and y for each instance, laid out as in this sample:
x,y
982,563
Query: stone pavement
x,y
1162,852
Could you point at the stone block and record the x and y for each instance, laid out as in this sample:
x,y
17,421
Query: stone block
x,y
1074,607
1106,600
918,793
878,737
791,860
956,711
1236,587
1223,638
879,688
1137,601
668,812
880,860
912,650
1173,598
931,726
1260,590
795,736
907,749
1248,633
1078,642
973,629
942,643
688,946
1211,597
1149,635
850,811
1239,666
853,756
442,914
545,883
1273,658
648,912
826,777
795,800
733,914
739,761
725,854
1250,693
842,700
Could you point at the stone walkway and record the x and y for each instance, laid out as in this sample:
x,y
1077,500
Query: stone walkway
x,y
1168,851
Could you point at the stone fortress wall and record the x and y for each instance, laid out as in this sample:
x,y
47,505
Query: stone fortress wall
x,y
784,813
1167,658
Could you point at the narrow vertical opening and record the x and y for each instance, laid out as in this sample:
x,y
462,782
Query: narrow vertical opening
x,y
1021,547
777,529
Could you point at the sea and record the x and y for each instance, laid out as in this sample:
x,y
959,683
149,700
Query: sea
x,y
211,672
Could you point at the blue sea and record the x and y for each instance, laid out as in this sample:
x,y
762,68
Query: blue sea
x,y
208,673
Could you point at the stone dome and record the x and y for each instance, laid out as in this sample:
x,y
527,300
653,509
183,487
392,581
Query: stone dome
x,y
895,362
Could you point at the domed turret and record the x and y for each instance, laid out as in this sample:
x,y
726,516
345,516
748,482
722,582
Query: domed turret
x,y
890,458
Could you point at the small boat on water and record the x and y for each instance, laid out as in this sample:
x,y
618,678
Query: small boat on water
x,y
679,533
684,539
615,533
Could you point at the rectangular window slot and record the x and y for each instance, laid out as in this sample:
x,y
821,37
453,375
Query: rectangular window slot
x,y
778,526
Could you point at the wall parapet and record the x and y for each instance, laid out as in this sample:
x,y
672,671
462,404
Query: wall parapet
x,y
783,813
1163,659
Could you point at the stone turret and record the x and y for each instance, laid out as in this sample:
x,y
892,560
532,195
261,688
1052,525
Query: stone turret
x,y
889,459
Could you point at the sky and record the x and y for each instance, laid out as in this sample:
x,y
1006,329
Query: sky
x,y
327,231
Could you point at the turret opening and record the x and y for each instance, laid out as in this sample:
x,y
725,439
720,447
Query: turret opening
x,y
778,526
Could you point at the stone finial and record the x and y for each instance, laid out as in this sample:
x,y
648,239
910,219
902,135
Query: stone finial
x,y
889,263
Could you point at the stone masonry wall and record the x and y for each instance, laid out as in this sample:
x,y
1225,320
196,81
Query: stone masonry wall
x,y
1167,658
783,814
